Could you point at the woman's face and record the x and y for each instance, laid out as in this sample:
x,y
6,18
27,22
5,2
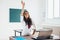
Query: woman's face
x,y
26,15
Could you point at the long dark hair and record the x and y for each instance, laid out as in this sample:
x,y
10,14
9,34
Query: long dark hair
x,y
28,21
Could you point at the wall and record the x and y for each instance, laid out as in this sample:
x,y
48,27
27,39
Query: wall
x,y
35,7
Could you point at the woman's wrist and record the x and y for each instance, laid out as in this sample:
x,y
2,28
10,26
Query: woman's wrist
x,y
22,7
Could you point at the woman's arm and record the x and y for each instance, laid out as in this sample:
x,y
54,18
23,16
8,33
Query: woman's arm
x,y
34,28
23,4
34,31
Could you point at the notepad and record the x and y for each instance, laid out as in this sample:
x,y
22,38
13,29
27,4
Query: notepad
x,y
20,38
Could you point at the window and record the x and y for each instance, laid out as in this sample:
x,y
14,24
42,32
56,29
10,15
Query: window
x,y
52,8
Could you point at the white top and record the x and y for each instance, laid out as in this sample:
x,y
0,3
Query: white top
x,y
25,27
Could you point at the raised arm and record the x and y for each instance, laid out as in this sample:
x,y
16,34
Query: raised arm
x,y
23,4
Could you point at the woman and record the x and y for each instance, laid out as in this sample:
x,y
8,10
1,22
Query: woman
x,y
29,27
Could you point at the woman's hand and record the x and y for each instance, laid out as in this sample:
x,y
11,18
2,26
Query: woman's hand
x,y
34,32
23,3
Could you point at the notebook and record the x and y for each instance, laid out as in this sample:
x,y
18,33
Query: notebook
x,y
20,38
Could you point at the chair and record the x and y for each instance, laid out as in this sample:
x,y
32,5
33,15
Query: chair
x,y
44,33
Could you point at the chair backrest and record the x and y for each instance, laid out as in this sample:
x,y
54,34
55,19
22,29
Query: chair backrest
x,y
45,33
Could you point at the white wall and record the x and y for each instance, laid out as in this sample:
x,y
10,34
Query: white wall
x,y
35,7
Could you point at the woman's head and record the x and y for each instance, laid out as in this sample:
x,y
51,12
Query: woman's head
x,y
26,14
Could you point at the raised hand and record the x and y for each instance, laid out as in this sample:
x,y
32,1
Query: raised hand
x,y
23,3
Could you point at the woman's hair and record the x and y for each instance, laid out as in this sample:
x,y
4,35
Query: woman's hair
x,y
28,21
24,12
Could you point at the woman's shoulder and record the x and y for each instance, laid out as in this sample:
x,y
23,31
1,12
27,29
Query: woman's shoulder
x,y
21,17
22,23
